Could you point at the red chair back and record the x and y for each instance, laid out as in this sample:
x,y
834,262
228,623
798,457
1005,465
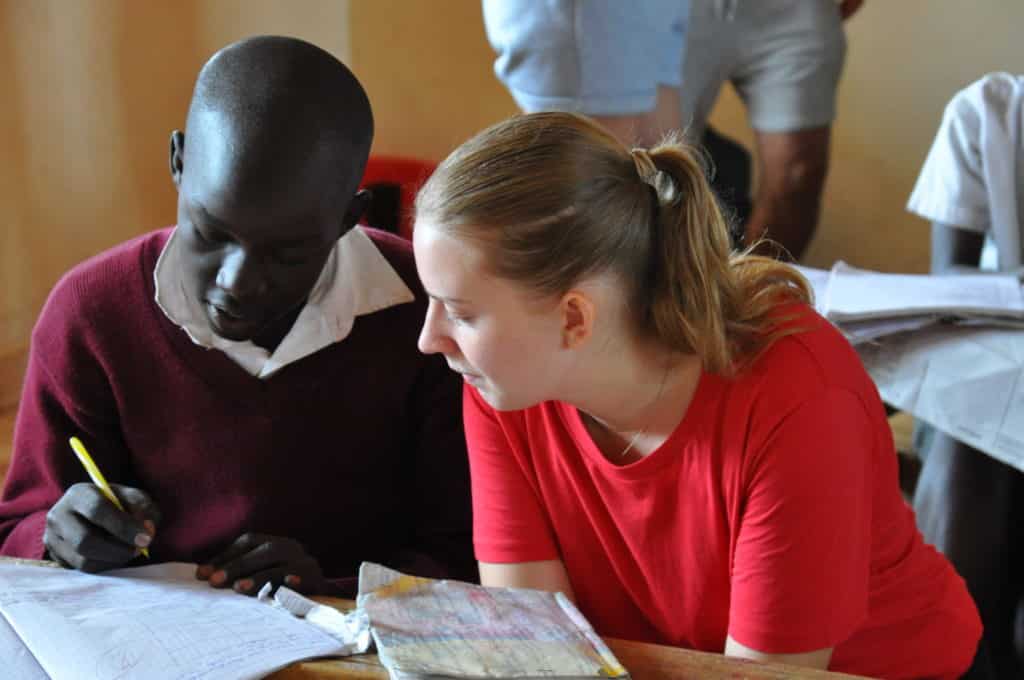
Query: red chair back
x,y
394,181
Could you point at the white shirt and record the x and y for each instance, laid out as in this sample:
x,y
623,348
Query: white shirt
x,y
356,279
973,177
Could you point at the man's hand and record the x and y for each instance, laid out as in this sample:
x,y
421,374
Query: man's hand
x,y
86,531
256,559
847,8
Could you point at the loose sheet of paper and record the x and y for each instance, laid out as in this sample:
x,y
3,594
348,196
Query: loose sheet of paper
x,y
155,622
18,662
351,629
967,382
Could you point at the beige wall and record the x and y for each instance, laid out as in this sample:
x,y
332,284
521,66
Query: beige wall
x,y
92,88
427,67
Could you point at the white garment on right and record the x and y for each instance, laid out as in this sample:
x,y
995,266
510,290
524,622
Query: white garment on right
x,y
973,177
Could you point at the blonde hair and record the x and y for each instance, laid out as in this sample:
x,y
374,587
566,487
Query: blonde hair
x,y
554,198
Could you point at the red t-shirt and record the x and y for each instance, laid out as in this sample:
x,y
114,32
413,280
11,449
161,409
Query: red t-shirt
x,y
771,514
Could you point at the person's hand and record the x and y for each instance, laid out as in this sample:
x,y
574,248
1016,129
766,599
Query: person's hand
x,y
847,8
85,531
256,559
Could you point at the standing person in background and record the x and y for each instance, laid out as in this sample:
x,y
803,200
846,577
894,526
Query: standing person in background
x,y
641,399
249,379
644,68
969,505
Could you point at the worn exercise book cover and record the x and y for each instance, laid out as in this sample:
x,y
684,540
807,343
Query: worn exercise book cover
x,y
428,628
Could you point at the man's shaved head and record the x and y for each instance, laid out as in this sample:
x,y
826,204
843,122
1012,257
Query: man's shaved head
x,y
274,148
279,100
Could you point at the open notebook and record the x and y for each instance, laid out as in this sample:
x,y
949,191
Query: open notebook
x,y
156,622
428,628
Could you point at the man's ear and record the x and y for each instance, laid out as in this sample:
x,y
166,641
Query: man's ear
x,y
177,156
356,209
578,314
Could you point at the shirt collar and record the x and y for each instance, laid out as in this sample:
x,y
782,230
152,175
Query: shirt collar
x,y
357,279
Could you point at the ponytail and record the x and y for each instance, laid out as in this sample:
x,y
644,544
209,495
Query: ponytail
x,y
718,303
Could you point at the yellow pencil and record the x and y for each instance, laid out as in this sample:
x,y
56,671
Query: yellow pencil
x,y
97,477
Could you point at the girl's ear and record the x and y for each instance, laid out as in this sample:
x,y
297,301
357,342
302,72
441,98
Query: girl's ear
x,y
578,313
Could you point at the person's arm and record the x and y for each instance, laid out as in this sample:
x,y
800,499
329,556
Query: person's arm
x,y
48,508
437,485
817,659
847,8
511,531
39,470
800,580
955,250
545,575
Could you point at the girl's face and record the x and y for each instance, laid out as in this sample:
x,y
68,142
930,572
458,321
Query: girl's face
x,y
506,343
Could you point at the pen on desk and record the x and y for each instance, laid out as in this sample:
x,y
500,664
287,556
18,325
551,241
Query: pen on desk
x,y
97,477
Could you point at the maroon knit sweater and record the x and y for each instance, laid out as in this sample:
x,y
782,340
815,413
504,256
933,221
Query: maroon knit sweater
x,y
356,451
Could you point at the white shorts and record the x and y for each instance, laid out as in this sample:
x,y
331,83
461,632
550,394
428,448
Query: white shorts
x,y
784,57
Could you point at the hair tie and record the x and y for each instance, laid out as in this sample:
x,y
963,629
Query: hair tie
x,y
665,189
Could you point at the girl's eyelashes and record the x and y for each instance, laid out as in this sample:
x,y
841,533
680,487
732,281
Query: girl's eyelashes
x,y
457,318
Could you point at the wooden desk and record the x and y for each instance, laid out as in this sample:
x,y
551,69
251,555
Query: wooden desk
x,y
643,661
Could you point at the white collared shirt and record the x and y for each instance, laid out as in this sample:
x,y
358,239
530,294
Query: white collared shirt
x,y
357,279
973,177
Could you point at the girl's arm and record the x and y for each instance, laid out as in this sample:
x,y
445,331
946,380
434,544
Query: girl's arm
x,y
545,575
816,659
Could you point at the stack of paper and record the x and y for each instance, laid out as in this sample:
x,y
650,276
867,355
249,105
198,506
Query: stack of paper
x,y
868,305
425,628
156,622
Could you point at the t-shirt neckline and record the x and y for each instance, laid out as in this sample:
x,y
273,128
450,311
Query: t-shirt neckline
x,y
657,459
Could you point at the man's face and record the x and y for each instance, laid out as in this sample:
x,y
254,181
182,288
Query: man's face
x,y
255,239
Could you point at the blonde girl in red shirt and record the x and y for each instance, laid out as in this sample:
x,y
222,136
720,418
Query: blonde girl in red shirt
x,y
664,429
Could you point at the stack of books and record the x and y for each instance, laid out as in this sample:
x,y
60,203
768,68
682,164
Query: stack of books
x,y
868,306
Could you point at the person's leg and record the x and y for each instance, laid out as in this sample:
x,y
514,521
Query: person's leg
x,y
964,502
731,179
792,54
791,175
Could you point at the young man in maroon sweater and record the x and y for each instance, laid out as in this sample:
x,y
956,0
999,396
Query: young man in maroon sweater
x,y
250,379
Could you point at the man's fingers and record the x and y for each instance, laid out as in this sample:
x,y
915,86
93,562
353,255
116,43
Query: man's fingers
x,y
91,505
239,547
80,545
252,583
261,557
265,554
138,504
302,576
